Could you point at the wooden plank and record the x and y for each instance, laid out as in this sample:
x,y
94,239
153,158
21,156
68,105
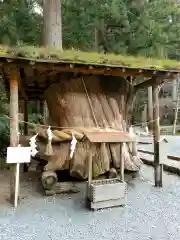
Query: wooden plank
x,y
107,204
175,158
156,128
109,137
169,157
170,166
108,191
14,124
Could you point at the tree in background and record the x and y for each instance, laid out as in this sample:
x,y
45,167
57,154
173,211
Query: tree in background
x,y
137,27
19,23
52,23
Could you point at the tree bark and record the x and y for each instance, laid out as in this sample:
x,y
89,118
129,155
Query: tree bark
x,y
52,23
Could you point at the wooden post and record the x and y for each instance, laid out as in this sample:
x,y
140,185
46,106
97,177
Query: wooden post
x,y
176,108
42,108
17,185
150,111
90,168
158,167
42,112
37,110
14,124
174,89
89,172
25,117
46,113
121,163
25,165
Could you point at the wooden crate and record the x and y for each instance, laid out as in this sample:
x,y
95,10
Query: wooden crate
x,y
106,193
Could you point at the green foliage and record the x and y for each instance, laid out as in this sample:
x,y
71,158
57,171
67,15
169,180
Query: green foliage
x,y
4,122
19,22
148,28
138,27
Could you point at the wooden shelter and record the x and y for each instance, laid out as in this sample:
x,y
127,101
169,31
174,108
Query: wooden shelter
x,y
29,71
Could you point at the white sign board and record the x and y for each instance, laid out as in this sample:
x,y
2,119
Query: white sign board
x,y
18,154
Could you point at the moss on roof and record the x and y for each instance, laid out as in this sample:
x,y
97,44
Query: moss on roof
x,y
75,56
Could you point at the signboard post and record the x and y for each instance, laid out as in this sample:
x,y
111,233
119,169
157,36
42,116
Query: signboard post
x,y
18,155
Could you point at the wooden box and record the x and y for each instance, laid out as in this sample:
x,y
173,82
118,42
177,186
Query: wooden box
x,y
106,193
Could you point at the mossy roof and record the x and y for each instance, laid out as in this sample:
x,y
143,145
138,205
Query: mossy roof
x,y
91,58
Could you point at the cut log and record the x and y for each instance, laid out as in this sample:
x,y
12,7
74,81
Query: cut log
x,y
49,180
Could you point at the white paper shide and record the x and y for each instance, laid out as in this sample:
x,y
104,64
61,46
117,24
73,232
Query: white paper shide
x,y
73,146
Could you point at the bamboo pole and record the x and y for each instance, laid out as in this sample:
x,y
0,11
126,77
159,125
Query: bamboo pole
x,y
158,167
14,125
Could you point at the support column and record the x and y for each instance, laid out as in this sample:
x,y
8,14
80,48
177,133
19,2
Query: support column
x,y
150,109
46,113
174,89
14,124
42,110
158,167
25,165
25,117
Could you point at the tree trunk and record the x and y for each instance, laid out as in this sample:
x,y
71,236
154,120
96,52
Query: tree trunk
x,y
52,23
87,104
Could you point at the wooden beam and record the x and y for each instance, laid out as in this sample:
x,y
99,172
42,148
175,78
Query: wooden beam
x,y
14,123
147,83
106,71
158,167
156,79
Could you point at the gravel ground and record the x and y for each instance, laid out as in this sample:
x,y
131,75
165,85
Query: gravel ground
x,y
149,214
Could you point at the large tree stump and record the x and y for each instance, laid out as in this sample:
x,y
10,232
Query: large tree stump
x,y
88,103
